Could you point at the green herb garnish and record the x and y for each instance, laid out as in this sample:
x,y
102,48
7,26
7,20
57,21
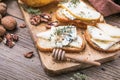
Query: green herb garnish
x,y
31,10
65,30
72,1
78,76
75,1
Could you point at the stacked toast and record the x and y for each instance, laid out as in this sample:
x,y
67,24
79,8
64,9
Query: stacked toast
x,y
78,14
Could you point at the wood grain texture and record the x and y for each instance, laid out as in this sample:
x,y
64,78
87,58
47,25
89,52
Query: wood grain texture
x,y
13,65
50,66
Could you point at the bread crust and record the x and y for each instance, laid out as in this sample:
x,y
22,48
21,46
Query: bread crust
x,y
77,22
64,19
114,48
67,49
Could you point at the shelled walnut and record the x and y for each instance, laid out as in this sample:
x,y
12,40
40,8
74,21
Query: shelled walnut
x,y
42,18
29,54
23,25
35,20
10,39
50,24
46,16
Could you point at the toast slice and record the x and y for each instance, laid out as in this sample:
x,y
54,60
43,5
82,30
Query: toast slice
x,y
100,39
79,13
64,19
64,37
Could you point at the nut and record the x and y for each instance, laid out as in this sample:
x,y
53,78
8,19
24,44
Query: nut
x,y
15,37
2,30
23,25
9,22
46,16
1,39
54,23
10,44
35,20
3,8
0,17
29,54
9,39
43,20
48,26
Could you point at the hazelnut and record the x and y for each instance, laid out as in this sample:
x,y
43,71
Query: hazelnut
x,y
2,30
3,8
9,22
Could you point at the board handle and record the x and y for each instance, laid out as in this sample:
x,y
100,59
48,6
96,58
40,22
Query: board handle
x,y
86,61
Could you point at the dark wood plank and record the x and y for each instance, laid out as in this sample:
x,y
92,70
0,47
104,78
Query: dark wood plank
x,y
13,8
13,65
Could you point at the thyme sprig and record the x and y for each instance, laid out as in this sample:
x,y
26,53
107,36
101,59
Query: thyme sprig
x,y
31,10
72,1
78,76
75,1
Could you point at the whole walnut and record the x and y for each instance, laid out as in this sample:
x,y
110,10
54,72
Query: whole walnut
x,y
0,17
2,30
9,22
3,8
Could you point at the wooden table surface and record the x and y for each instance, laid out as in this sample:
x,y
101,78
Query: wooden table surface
x,y
14,66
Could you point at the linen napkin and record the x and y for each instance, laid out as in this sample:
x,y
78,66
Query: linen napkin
x,y
106,7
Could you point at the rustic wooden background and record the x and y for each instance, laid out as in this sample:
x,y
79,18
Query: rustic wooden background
x,y
14,66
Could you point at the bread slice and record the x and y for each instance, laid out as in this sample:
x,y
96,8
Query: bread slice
x,y
64,19
70,15
46,45
102,45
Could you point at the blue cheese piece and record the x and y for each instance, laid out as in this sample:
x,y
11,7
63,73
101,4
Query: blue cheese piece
x,y
62,36
77,42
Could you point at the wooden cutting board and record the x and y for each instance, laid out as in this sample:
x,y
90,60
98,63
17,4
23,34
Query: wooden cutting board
x,y
53,68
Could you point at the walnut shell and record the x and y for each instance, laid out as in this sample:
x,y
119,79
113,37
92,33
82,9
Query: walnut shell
x,y
2,30
9,22
3,8
0,18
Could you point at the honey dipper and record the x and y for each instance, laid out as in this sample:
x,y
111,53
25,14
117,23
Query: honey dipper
x,y
59,54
